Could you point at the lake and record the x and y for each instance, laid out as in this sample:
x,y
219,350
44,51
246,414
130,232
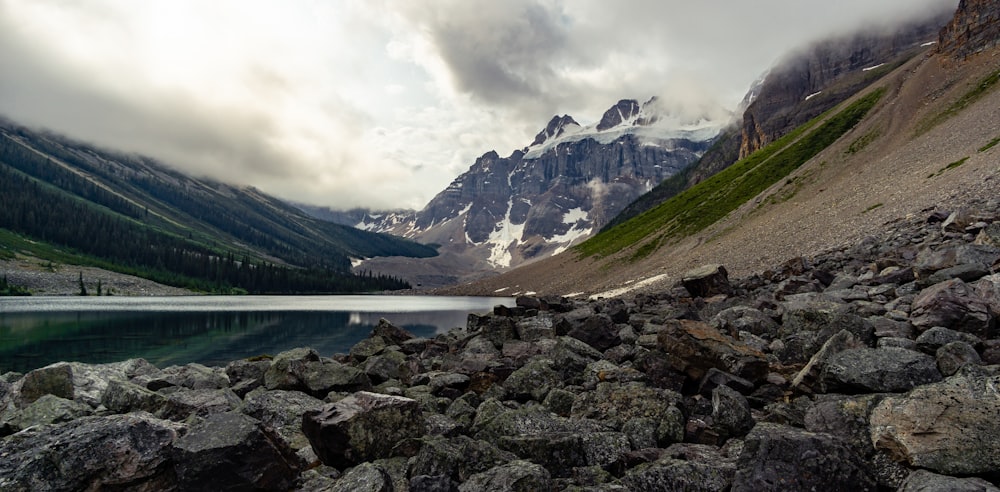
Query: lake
x,y
210,330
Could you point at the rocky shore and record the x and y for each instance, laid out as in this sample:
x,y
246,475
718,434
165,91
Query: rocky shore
x,y
874,367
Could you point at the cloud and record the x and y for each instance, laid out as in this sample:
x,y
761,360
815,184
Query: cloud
x,y
380,103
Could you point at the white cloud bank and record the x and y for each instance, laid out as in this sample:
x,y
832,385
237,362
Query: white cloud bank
x,y
379,103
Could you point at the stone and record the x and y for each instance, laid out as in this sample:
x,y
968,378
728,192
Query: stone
x,y
50,409
391,333
535,328
695,347
875,370
744,318
230,451
616,404
91,453
184,403
598,331
968,272
368,347
321,377
516,476
362,427
934,338
948,427
457,458
533,381
808,378
283,372
707,281
366,477
191,376
282,411
952,304
435,483
691,467
246,375
778,457
730,413
925,481
124,397
56,380
955,355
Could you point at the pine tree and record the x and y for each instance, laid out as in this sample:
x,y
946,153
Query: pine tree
x,y
83,288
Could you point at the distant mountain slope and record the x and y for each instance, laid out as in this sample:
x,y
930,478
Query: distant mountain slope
x,y
132,214
927,143
798,88
542,199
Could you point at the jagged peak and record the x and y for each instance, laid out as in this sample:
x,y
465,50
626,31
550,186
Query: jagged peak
x,y
624,111
557,126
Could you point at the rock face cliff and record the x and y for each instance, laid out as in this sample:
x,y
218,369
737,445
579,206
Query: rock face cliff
x,y
974,28
815,79
543,198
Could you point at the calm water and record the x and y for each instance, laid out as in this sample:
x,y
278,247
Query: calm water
x,y
211,330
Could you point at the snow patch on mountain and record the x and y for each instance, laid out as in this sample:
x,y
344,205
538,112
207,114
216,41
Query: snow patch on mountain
x,y
503,238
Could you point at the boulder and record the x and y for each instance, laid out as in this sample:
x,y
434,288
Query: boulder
x,y
366,477
954,356
246,375
952,304
457,458
230,451
707,281
925,481
934,338
184,403
948,427
285,368
695,347
693,467
49,409
730,413
282,412
744,318
516,476
876,370
533,381
124,397
616,405
91,453
808,378
535,328
599,331
778,457
362,427
56,380
191,376
391,333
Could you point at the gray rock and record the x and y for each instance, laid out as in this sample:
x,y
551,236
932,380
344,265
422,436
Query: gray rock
x,y
954,356
366,477
845,417
321,377
391,333
534,380
284,372
56,380
730,413
684,467
457,458
599,331
808,378
362,427
435,483
871,370
931,260
905,343
969,272
925,481
124,397
384,366
282,411
707,281
744,318
535,328
229,451
516,476
934,338
988,289
952,304
49,409
191,376
246,375
90,453
184,403
615,405
777,457
948,427
368,347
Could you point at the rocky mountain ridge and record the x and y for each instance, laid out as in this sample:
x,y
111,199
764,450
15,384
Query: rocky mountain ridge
x,y
538,201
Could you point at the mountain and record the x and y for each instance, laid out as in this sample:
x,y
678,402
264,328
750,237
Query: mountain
x,y
542,199
920,137
131,214
799,87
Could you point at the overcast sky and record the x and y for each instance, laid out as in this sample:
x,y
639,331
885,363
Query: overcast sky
x,y
379,103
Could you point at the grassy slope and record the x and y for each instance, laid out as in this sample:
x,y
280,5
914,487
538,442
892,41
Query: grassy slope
x,y
702,205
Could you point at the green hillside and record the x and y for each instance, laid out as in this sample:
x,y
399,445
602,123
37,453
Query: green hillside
x,y
700,206
68,202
